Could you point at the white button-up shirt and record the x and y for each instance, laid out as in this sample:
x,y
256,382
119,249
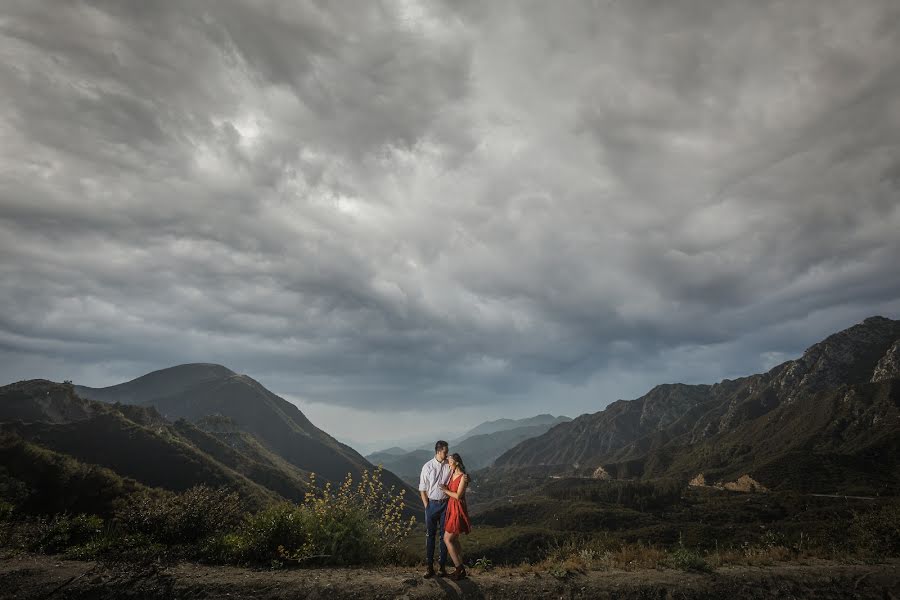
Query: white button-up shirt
x,y
434,474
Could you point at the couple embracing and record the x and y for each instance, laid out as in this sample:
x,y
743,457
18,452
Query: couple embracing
x,y
442,487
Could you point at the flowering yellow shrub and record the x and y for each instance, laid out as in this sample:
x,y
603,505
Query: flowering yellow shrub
x,y
350,524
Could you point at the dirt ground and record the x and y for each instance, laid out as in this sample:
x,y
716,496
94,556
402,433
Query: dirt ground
x,y
34,577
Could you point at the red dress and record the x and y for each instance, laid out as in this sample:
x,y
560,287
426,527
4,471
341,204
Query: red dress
x,y
457,519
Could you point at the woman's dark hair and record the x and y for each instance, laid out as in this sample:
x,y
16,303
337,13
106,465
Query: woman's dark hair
x,y
459,463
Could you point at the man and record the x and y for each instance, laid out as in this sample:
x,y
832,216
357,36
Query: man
x,y
435,473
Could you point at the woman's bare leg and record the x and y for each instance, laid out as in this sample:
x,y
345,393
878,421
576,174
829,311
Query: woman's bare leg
x,y
450,541
457,549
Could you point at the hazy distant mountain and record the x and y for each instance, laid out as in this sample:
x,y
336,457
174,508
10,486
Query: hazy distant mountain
x,y
488,427
197,391
395,451
479,451
407,465
829,420
478,447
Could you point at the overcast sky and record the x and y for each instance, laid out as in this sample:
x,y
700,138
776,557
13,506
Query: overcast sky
x,y
410,218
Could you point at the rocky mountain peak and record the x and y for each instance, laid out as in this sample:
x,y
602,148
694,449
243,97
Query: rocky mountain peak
x,y
848,356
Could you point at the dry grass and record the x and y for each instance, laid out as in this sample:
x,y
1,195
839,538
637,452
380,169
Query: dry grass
x,y
571,559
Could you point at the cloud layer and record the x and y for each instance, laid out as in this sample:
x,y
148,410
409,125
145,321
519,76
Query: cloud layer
x,y
395,206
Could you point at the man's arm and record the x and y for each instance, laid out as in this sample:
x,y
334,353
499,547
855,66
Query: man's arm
x,y
423,485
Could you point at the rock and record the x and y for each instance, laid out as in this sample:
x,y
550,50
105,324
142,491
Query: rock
x,y
600,473
835,360
889,365
698,481
745,483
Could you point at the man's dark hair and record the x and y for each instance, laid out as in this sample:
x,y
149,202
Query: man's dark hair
x,y
440,445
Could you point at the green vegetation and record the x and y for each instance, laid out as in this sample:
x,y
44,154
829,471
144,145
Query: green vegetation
x,y
637,495
188,518
561,529
361,524
353,524
687,559
573,525
112,441
56,534
37,481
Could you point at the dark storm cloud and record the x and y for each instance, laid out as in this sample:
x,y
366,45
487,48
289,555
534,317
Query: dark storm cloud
x,y
375,204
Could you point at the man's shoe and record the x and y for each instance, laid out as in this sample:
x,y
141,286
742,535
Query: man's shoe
x,y
429,573
442,572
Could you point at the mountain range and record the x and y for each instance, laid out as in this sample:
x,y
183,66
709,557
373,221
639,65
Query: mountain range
x,y
196,391
827,421
46,428
489,427
179,427
478,447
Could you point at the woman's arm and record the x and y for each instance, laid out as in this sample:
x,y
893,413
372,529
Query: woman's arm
x,y
460,491
449,493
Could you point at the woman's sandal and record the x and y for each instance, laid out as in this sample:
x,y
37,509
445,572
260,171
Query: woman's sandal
x,y
458,573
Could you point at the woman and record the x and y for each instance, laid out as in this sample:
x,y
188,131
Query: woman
x,y
457,519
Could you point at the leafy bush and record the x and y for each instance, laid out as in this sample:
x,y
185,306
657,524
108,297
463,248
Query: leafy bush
x,y
182,519
347,525
261,535
61,532
114,545
687,560
875,533
12,490
6,511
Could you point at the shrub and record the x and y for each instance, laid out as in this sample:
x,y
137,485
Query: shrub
x,y
262,534
229,548
360,524
181,519
876,532
638,495
687,560
561,570
6,511
114,545
563,559
61,532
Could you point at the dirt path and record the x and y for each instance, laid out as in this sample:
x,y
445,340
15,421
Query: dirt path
x,y
41,577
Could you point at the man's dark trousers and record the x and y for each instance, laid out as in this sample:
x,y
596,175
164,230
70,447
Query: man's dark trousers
x,y
435,513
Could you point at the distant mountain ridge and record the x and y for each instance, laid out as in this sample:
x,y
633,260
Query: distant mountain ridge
x,y
488,427
478,447
479,451
408,465
829,418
